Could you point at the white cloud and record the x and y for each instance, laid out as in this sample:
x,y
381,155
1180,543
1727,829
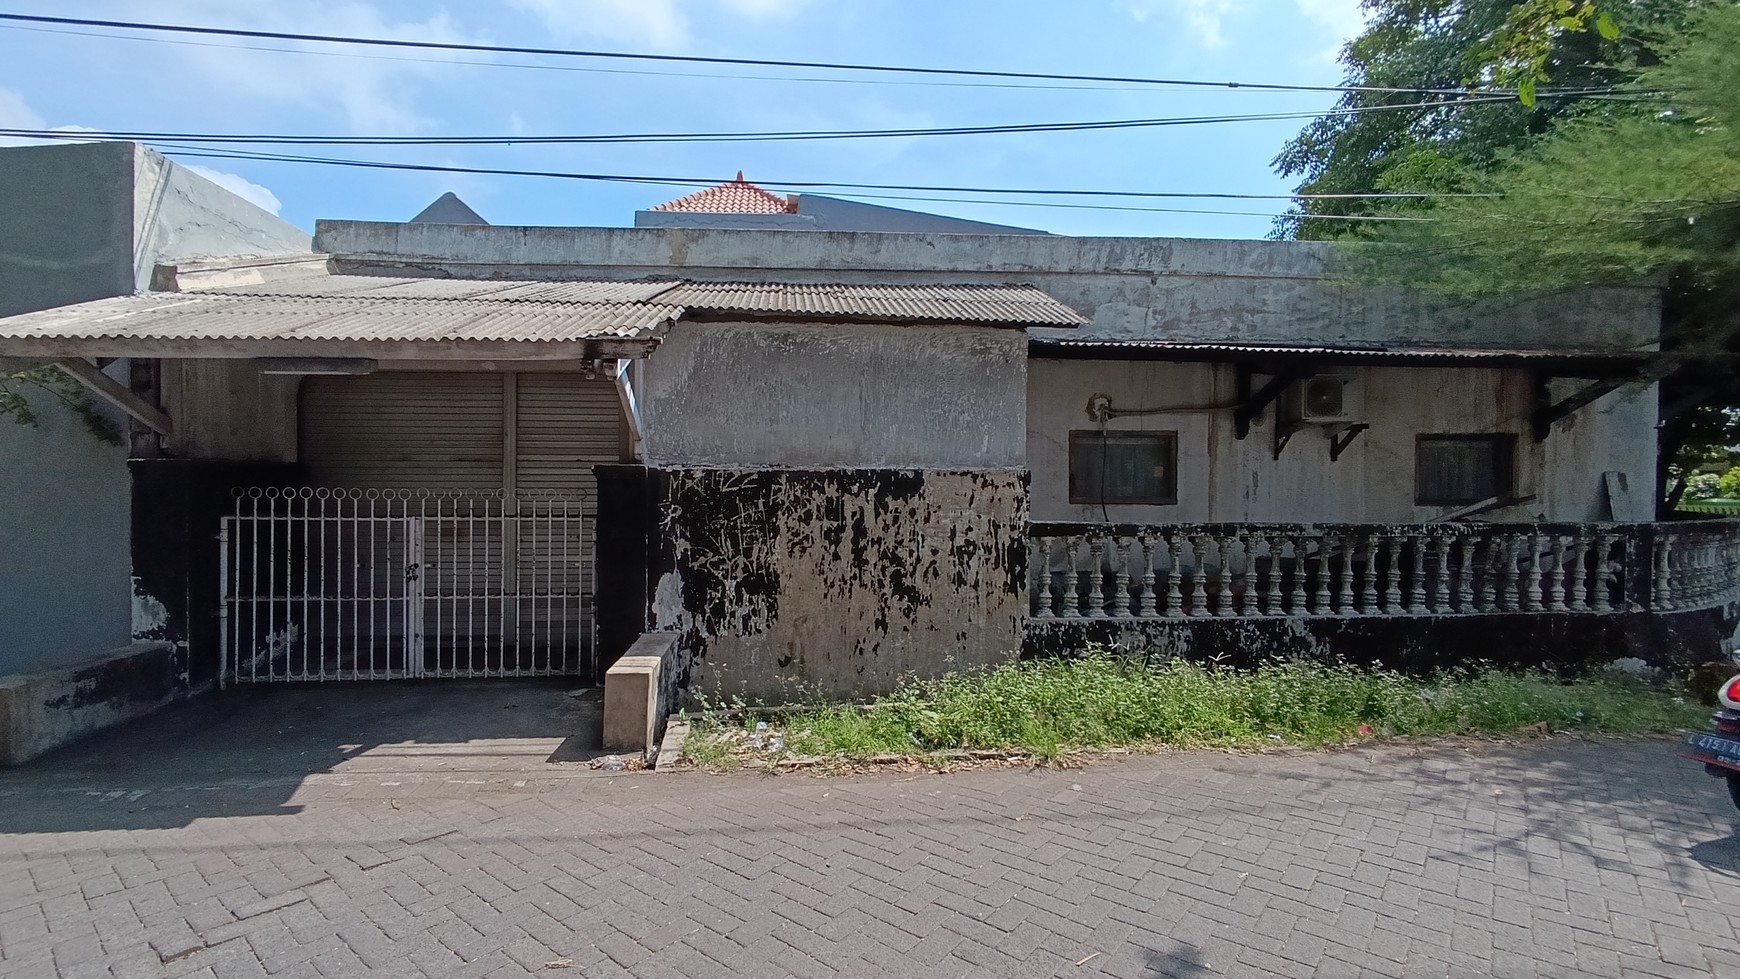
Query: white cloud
x,y
370,93
242,187
15,113
1342,19
1203,17
661,24
654,22
766,9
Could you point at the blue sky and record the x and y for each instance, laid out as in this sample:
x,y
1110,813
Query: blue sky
x,y
62,80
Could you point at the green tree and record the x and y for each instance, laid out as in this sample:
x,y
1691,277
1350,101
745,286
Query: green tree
x,y
1432,48
1648,191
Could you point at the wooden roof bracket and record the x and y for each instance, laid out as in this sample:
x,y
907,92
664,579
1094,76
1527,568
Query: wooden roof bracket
x,y
1251,403
1547,411
117,394
1339,441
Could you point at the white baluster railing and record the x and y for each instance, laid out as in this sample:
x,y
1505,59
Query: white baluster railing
x,y
1082,571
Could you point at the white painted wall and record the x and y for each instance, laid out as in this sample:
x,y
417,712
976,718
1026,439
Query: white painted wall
x,y
1221,478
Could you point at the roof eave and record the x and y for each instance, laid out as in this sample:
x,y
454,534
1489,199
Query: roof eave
x,y
594,348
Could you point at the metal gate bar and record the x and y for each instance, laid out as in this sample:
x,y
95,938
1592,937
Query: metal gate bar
x,y
354,584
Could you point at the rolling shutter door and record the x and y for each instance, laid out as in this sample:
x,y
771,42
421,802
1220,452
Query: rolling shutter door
x,y
404,431
566,424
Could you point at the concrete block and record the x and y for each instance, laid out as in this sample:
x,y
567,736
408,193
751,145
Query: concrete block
x,y
635,698
42,711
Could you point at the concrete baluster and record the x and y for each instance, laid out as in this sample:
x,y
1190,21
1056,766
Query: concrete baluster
x,y
1602,578
1344,595
1046,609
1199,576
1174,596
1392,573
1272,584
1417,588
1223,604
1553,578
1296,596
1093,595
1465,574
1511,595
1123,602
1368,596
1576,574
1148,607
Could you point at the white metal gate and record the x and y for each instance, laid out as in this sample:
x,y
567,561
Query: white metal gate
x,y
336,584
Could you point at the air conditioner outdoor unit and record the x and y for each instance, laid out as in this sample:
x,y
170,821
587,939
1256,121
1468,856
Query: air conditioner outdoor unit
x,y
1325,400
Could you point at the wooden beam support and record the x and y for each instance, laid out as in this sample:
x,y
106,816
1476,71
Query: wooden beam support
x,y
1339,441
1251,405
1547,411
117,394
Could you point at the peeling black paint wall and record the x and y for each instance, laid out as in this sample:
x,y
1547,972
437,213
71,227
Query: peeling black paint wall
x,y
177,506
839,583
1414,644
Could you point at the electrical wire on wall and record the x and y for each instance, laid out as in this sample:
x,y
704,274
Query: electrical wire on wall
x,y
1101,411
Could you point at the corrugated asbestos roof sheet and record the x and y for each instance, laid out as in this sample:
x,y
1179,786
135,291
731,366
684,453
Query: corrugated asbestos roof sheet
x,y
1015,305
220,316
1183,348
373,308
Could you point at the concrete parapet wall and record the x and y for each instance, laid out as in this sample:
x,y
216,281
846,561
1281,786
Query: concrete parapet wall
x,y
1173,288
42,711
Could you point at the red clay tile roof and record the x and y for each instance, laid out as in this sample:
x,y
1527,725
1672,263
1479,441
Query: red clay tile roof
x,y
734,197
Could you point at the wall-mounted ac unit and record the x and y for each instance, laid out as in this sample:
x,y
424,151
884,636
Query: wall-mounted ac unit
x,y
1324,400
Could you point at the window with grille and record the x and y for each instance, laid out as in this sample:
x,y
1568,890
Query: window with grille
x,y
1123,467
1456,470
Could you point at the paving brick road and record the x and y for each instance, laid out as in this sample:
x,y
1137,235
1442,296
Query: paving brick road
x,y
1555,858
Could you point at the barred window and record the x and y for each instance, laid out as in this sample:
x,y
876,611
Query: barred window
x,y
1123,467
1456,470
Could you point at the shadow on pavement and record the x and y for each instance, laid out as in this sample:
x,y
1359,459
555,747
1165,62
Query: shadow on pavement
x,y
252,750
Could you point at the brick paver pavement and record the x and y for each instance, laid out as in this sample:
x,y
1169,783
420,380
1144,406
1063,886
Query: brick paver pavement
x,y
1554,858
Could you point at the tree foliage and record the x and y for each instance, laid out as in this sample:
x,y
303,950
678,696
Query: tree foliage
x,y
1470,46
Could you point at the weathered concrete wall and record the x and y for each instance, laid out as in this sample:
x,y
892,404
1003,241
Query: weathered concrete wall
x,y
66,225
1224,479
42,711
64,579
1131,287
227,409
816,396
784,583
1419,644
179,216
83,222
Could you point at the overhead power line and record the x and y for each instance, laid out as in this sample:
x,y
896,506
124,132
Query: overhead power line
x,y
718,137
203,153
736,62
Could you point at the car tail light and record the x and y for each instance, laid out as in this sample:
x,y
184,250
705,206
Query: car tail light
x,y
1730,694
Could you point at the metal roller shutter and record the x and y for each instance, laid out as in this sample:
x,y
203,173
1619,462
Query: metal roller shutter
x,y
404,431
566,425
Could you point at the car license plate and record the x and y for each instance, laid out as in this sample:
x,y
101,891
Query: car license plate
x,y
1716,748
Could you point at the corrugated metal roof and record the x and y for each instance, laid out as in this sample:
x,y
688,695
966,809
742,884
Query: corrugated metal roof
x,y
1016,305
1358,352
482,290
732,197
225,316
377,308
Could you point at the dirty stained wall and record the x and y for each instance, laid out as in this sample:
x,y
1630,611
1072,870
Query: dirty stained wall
x,y
819,395
1225,479
839,583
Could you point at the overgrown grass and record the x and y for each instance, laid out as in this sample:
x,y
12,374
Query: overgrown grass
x,y
1098,701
